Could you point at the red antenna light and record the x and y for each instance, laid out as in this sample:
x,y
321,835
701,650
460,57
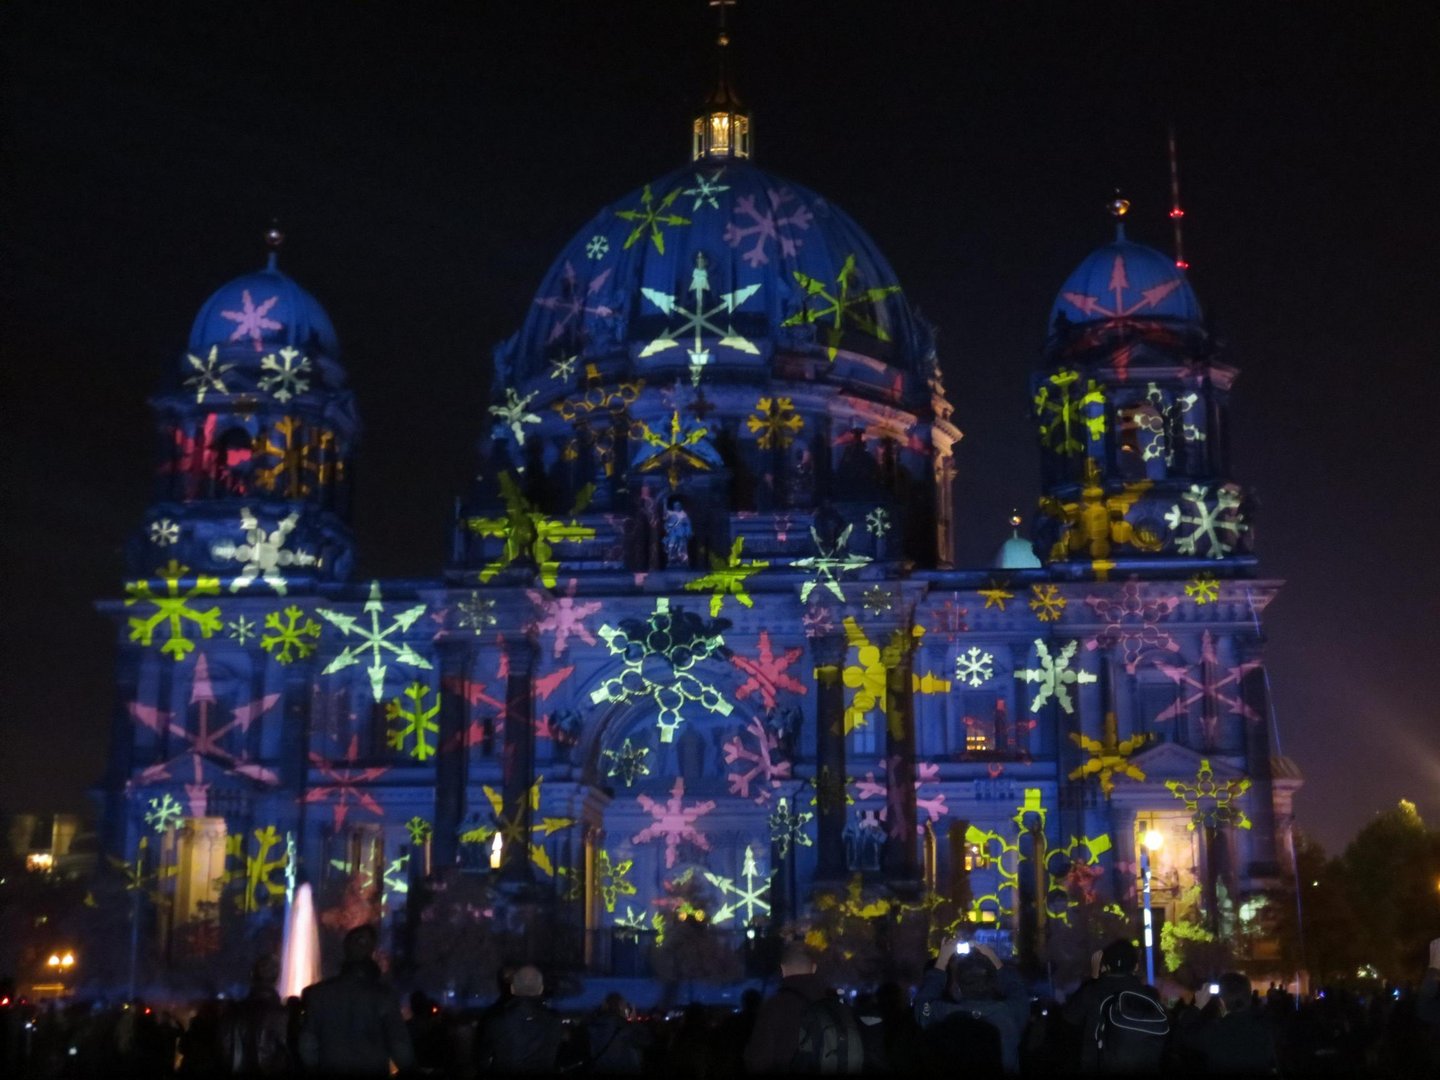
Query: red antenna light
x,y
1177,215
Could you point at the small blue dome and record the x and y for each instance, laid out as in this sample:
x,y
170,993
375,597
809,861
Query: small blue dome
x,y
261,312
1016,554
720,265
1124,280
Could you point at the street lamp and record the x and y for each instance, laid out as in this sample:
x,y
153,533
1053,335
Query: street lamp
x,y
1153,840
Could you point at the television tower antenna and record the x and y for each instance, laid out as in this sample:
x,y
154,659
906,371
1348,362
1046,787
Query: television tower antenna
x,y
1177,215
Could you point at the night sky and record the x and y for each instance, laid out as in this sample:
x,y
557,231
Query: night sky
x,y
428,167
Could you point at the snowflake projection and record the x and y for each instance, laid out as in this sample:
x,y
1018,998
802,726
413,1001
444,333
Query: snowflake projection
x,y
1164,423
1211,802
1216,527
285,378
635,922
931,804
997,594
563,617
766,674
572,304
475,612
1095,523
420,830
817,620
597,247
1203,589
836,307
164,532
262,871
652,217
868,676
658,656
163,814
727,578
950,620
832,561
673,822
1208,689
1108,755
173,611
343,783
830,790
1047,602
705,190
1067,416
775,223
1121,307
528,533
1073,872
1002,856
612,879
240,629
627,764
1130,620
745,900
252,320
416,722
787,828
207,377
282,453
599,416
877,522
395,878
1055,676
517,828
207,743
295,635
975,667
774,423
514,414
562,367
375,639
759,766
699,319
262,553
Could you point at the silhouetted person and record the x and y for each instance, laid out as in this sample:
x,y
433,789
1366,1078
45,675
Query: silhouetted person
x,y
616,1044
522,1035
973,1008
776,1039
1236,1039
1114,979
352,1023
253,1033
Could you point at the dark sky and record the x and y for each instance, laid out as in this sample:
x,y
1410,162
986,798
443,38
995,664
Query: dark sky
x,y
428,161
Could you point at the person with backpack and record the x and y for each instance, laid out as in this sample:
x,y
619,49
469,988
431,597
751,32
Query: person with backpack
x,y
973,1008
523,1035
804,1027
1234,1038
1123,1028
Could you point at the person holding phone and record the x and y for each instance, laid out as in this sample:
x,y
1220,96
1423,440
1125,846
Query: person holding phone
x,y
973,1008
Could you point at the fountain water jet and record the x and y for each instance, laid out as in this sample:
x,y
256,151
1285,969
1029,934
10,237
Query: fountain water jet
x,y
300,953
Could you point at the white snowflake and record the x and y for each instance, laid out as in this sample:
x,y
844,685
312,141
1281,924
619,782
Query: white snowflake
x,y
164,532
287,378
1208,521
877,522
375,640
747,898
563,367
761,765
262,553
1055,676
241,629
768,224
974,667
597,247
705,190
515,414
700,320
829,564
207,378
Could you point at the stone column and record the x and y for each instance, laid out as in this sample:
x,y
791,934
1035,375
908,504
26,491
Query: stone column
x,y
828,652
901,866
453,753
1264,847
518,761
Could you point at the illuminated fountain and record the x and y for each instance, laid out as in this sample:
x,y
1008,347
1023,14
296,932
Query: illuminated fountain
x,y
300,953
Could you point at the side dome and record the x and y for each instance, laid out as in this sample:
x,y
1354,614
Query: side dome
x,y
717,269
1125,280
261,312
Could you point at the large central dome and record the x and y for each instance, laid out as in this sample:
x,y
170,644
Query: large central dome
x,y
716,269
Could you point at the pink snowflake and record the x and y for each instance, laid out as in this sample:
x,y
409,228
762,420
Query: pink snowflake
x,y
563,616
817,620
251,321
1131,623
766,226
764,771
933,805
767,673
1209,690
570,303
950,619
344,784
674,822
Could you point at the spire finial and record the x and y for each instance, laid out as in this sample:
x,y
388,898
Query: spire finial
x,y
1118,207
274,239
722,129
1177,215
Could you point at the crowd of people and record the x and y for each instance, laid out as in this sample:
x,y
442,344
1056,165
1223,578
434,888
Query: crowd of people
x,y
973,1015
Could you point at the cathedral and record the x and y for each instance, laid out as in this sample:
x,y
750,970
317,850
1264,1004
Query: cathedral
x,y
701,647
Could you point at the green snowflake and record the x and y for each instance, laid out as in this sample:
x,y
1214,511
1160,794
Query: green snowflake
x,y
628,763
173,610
528,533
611,878
259,868
419,829
840,306
375,640
787,828
658,655
747,898
417,722
1212,803
294,637
164,814
652,216
1062,410
727,578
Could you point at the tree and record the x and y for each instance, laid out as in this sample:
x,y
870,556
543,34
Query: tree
x,y
1390,872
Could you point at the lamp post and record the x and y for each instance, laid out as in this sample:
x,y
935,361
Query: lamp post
x,y
1152,840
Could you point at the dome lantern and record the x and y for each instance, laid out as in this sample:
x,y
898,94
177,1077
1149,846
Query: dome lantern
x,y
721,129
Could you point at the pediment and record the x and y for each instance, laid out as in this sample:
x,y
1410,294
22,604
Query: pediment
x,y
1169,760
